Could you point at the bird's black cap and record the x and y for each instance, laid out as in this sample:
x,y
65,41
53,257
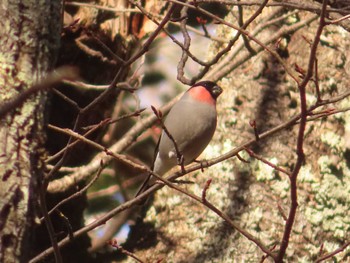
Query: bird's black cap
x,y
212,87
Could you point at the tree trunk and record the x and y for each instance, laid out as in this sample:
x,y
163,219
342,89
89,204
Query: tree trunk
x,y
29,37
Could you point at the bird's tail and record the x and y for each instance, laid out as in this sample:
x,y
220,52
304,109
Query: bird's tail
x,y
145,185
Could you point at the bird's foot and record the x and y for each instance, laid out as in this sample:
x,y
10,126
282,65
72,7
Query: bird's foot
x,y
181,161
203,163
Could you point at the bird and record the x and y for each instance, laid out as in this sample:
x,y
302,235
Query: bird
x,y
191,122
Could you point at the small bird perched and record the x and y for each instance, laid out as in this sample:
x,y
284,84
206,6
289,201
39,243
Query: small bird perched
x,y
192,123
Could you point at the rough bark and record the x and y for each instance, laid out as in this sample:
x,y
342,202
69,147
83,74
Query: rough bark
x,y
29,37
178,229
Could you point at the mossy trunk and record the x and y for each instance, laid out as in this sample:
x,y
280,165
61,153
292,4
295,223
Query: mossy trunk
x,y
29,37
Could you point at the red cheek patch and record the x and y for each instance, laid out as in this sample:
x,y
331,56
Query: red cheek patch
x,y
201,94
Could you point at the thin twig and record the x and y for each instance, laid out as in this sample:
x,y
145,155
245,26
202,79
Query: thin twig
x,y
229,63
221,53
154,34
189,169
333,253
242,31
116,156
73,143
318,93
205,189
245,39
300,140
292,4
254,155
179,155
186,45
62,184
223,216
78,84
67,223
93,52
77,194
326,113
49,226
252,124
105,8
49,81
115,244
335,21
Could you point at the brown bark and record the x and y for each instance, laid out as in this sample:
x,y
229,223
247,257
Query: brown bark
x,y
29,36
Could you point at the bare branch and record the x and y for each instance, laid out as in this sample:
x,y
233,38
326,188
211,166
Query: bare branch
x,y
49,81
190,168
179,155
77,194
115,244
252,154
105,8
300,141
86,171
333,253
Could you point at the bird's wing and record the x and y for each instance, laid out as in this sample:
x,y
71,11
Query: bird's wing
x,y
145,185
156,152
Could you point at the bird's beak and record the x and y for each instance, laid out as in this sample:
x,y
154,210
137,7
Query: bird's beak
x,y
216,91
